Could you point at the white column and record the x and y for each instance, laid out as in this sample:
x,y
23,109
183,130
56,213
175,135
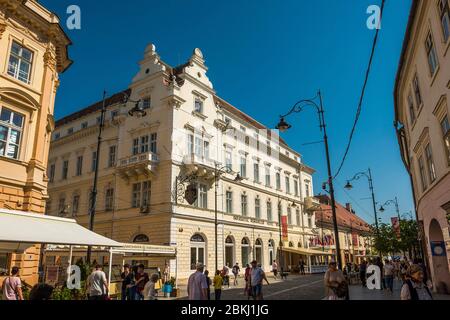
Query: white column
x,y
110,269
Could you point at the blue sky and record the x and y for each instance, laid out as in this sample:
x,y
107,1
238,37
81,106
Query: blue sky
x,y
263,56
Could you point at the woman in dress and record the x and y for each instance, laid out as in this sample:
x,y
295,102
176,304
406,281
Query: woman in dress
x,y
335,284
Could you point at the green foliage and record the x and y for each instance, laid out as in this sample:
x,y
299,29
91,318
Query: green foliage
x,y
386,241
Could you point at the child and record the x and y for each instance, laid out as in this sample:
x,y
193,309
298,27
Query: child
x,y
149,291
218,282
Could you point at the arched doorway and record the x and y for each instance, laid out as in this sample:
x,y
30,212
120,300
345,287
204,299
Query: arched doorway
x,y
258,251
271,245
245,251
198,250
439,257
229,251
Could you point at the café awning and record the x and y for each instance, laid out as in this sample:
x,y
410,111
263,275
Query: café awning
x,y
307,252
19,230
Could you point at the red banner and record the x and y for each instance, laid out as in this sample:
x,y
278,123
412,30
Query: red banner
x,y
355,239
396,225
284,228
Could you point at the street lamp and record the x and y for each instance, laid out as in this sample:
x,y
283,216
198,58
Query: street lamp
x,y
137,111
389,202
283,126
368,175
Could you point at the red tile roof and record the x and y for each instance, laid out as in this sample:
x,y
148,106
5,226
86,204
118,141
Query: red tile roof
x,y
345,218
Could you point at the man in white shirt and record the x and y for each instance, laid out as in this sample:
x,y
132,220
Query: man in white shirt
x,y
97,284
198,285
256,279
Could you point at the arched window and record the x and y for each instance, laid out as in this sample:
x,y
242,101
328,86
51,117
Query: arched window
x,y
258,251
245,251
141,238
229,251
271,245
198,248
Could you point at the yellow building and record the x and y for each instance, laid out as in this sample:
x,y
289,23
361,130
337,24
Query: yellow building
x,y
422,110
33,50
146,165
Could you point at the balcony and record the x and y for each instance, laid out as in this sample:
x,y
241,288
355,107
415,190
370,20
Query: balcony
x,y
199,165
136,165
312,204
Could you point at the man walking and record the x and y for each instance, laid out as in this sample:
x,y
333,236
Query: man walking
x,y
12,286
235,271
275,269
302,267
126,277
256,280
388,271
97,284
141,279
197,284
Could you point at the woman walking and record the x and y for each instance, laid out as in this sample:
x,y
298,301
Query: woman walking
x,y
336,287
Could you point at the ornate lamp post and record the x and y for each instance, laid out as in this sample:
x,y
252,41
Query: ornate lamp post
x,y
389,202
283,126
137,111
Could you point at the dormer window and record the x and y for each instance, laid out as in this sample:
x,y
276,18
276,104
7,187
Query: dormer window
x,y
20,63
198,106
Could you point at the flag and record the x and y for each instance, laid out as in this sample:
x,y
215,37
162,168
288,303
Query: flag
x,y
396,226
284,228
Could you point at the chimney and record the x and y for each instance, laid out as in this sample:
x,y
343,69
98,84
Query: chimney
x,y
348,206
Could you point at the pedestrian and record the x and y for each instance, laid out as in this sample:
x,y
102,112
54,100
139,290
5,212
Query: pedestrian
x,y
149,292
275,269
12,286
236,271
97,284
226,275
247,275
141,279
362,272
166,272
302,267
209,282
197,284
126,277
336,287
414,287
388,271
132,289
256,280
218,282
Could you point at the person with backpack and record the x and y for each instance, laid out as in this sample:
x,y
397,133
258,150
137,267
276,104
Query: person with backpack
x,y
336,287
12,286
236,271
414,287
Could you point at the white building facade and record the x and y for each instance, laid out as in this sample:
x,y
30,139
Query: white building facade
x,y
188,137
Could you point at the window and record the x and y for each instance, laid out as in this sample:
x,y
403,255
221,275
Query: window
x,y
267,176
202,200
297,217
75,204
62,205
141,238
256,172
198,147
445,125
141,193
288,185
278,180
20,62
57,136
94,161
84,125
51,174
69,131
65,169
430,163
269,149
244,205
417,93
198,248
444,12
431,54
112,156
412,111
109,199
423,178
255,135
146,103
257,208
228,160
310,224
4,264
190,144
135,146
206,149
153,142
307,191
269,211
11,124
289,215
146,193
79,169
296,187
48,207
229,201
144,144
243,170
198,106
